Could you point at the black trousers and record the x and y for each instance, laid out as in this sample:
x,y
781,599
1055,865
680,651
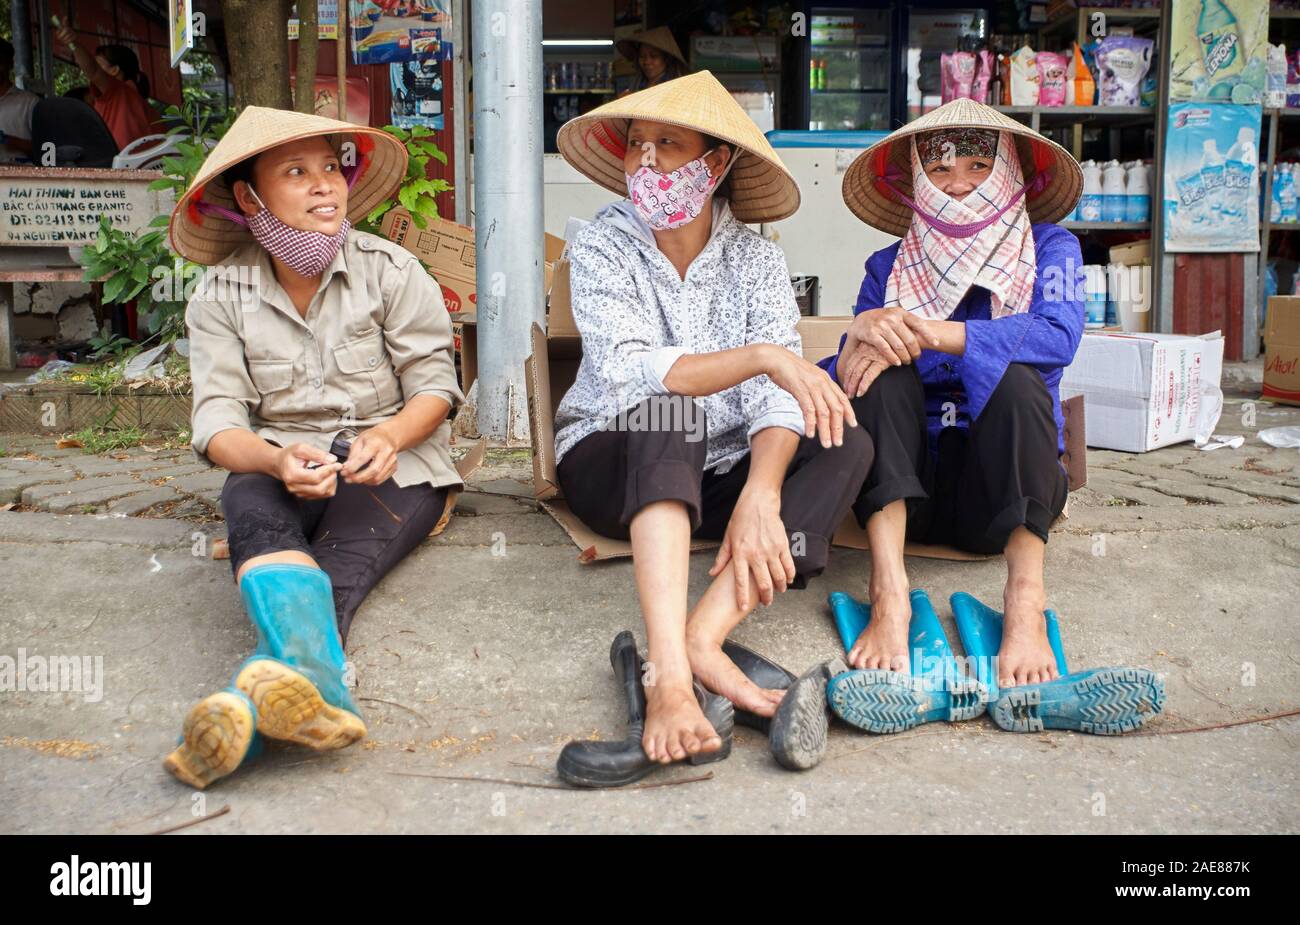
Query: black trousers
x,y
610,475
1001,473
356,536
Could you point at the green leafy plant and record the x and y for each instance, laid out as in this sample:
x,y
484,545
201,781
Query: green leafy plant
x,y
418,193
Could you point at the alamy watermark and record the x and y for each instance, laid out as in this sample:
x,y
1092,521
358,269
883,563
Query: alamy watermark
x,y
82,674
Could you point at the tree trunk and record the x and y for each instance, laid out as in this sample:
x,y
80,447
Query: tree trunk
x,y
257,37
308,43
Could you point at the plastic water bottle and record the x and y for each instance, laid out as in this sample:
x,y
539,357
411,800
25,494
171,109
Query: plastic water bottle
x,y
1137,207
1275,204
1091,201
1239,170
1114,193
1286,196
1220,42
1213,175
1094,290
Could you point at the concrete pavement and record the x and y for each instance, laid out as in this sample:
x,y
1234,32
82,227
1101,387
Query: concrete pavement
x,y
475,664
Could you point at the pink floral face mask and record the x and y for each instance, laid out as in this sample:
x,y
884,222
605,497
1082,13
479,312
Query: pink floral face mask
x,y
307,253
671,200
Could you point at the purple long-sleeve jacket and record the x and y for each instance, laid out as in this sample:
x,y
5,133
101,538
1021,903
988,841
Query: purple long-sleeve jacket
x,y
1044,337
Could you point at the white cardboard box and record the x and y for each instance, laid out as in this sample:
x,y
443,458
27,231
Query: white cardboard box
x,y
1145,391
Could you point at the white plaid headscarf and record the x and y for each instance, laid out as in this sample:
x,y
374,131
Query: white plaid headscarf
x,y
934,270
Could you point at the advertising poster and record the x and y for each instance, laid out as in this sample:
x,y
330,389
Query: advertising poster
x,y
180,22
1211,183
417,93
1218,51
388,31
327,20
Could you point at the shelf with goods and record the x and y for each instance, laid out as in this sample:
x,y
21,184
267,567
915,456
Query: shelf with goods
x,y
1279,132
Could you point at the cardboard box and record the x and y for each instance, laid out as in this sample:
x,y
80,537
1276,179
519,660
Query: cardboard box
x,y
1145,391
551,370
1282,350
447,248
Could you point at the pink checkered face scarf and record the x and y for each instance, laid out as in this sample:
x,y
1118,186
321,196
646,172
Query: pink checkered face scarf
x,y
941,256
307,253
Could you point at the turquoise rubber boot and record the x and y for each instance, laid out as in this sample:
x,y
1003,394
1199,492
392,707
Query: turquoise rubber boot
x,y
1101,701
890,701
219,735
295,676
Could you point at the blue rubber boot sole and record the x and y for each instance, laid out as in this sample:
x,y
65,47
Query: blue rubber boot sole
x,y
1101,701
881,701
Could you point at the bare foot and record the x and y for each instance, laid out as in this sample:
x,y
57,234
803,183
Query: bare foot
x,y
675,727
1026,656
883,644
720,675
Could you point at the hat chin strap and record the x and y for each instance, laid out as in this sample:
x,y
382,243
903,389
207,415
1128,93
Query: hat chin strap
x,y
1032,188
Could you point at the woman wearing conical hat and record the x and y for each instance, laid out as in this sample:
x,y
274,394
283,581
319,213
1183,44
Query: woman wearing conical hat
x,y
954,358
693,413
307,334
656,56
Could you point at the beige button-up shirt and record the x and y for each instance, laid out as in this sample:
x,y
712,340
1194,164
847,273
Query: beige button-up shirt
x,y
376,334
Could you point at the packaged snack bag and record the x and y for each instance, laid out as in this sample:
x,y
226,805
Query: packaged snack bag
x,y
1083,87
979,90
1024,78
1051,78
945,78
962,66
1122,62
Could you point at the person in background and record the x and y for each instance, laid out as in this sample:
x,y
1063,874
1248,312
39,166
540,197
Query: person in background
x,y
119,90
656,55
15,112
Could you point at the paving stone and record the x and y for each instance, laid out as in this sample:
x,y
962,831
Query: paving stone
x,y
1143,496
41,494
200,483
137,503
1195,492
12,484
74,502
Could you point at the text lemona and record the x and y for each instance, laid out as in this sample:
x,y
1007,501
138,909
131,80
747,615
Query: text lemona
x,y
81,674
103,878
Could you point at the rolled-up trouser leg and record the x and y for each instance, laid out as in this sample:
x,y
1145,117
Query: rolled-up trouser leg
x,y
1012,475
892,412
656,454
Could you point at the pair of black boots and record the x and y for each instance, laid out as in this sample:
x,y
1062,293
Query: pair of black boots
x,y
796,734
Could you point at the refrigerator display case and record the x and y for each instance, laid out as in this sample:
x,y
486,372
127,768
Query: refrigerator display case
x,y
850,68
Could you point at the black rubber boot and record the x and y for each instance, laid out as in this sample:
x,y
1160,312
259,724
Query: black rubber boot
x,y
617,763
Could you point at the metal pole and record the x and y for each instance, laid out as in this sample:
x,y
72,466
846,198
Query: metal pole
x,y
507,58
459,112
47,53
21,29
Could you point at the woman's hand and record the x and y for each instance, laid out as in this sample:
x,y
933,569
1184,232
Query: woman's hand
x,y
857,370
319,481
896,333
65,35
756,545
374,450
825,408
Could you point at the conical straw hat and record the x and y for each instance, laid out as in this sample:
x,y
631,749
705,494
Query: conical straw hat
x,y
876,204
661,38
208,239
762,189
